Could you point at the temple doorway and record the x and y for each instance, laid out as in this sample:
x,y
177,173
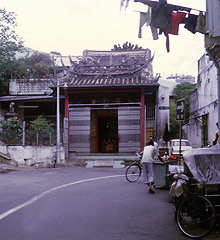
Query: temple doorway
x,y
107,134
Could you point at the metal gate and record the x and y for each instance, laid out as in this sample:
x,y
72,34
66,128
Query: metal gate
x,y
79,129
129,129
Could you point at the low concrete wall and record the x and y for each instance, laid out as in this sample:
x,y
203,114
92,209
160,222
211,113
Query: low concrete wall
x,y
29,155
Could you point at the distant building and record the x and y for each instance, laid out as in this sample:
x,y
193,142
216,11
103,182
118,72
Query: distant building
x,y
169,84
182,78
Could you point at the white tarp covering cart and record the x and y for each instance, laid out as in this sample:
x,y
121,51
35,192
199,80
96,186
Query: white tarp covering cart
x,y
204,164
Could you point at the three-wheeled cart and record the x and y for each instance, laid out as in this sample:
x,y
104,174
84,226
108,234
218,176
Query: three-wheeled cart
x,y
199,205
163,172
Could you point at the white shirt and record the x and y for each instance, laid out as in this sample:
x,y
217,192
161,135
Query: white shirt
x,y
149,154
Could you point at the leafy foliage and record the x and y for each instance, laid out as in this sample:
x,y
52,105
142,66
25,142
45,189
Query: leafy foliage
x,y
125,47
40,131
10,44
34,65
181,91
11,133
41,124
174,125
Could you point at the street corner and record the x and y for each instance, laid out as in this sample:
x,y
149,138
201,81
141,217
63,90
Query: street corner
x,y
4,170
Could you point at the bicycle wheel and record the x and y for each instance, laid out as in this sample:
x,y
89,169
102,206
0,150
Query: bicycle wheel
x,y
195,216
133,172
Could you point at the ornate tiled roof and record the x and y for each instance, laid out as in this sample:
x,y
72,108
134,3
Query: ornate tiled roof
x,y
111,68
111,81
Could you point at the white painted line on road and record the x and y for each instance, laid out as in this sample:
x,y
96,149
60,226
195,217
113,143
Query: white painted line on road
x,y
15,209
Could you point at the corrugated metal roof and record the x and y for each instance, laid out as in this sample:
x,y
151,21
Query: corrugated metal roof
x,y
17,98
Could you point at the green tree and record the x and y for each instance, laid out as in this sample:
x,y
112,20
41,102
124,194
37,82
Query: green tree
x,y
33,65
11,132
10,44
181,91
174,125
125,47
41,124
41,131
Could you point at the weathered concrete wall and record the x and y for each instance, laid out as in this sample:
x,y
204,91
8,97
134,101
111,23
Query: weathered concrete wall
x,y
163,113
32,154
203,101
207,82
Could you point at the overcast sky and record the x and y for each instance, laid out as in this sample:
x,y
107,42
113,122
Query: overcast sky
x,y
71,26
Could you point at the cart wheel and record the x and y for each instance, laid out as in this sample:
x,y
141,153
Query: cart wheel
x,y
133,172
195,216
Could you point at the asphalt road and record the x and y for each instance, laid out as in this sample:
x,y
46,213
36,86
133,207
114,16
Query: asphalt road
x,y
83,204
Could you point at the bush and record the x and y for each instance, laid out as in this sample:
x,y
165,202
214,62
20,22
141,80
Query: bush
x,y
11,133
41,131
37,132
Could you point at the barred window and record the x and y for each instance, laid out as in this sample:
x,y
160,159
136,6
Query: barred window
x,y
150,111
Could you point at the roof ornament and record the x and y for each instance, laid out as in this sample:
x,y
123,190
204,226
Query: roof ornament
x,y
76,69
11,107
63,65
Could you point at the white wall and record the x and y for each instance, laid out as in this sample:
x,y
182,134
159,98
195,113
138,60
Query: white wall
x,y
32,154
203,101
163,113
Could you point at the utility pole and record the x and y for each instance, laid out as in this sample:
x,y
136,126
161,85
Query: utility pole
x,y
58,120
180,117
57,108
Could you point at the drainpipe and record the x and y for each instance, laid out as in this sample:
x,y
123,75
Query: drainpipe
x,y
66,102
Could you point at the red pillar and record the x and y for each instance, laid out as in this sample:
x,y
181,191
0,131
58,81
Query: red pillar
x,y
66,137
143,130
66,104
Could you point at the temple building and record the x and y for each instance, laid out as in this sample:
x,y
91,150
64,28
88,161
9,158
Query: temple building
x,y
111,102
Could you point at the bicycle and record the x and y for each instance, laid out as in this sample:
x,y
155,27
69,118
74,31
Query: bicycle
x,y
133,172
196,214
197,208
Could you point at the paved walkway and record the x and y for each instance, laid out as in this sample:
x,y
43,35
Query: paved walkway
x,y
6,168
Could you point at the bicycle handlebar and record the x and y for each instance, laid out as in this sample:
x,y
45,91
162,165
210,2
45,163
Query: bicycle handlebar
x,y
138,155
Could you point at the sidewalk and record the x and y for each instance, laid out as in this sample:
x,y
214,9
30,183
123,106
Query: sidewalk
x,y
6,168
